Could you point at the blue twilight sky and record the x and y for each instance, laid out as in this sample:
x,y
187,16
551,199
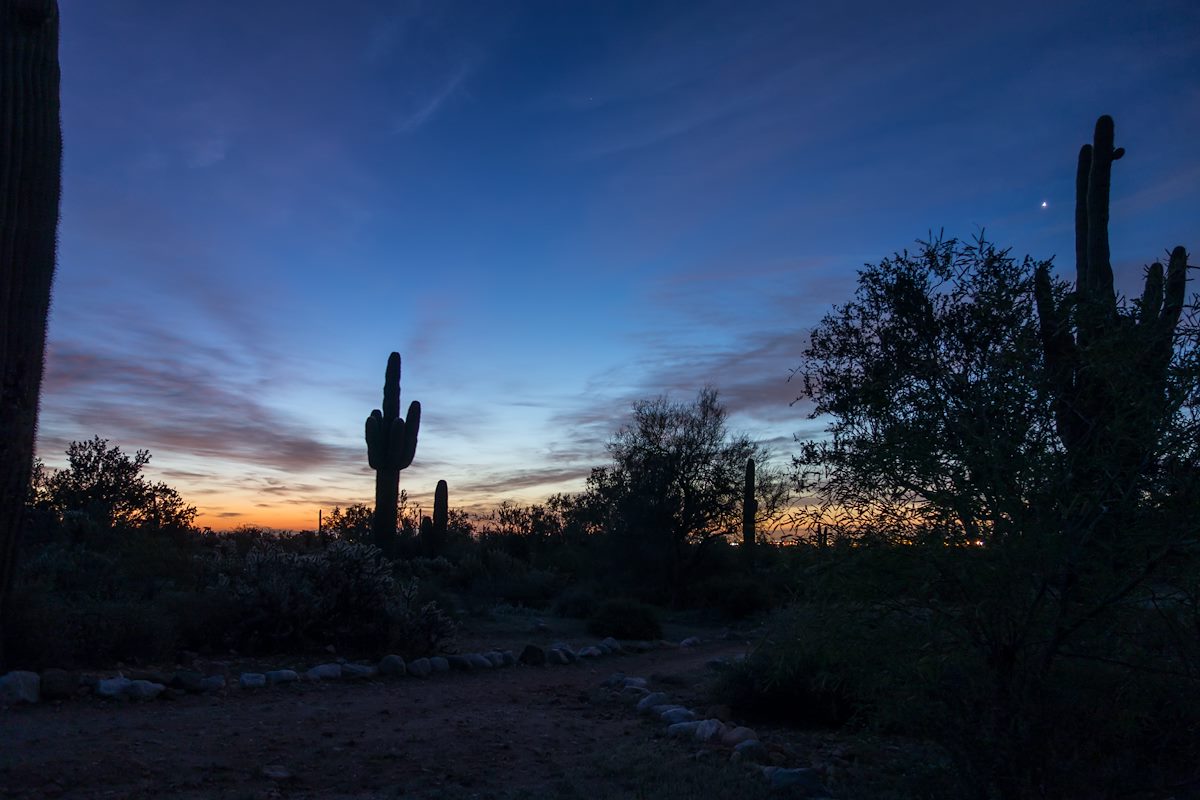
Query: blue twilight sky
x,y
550,209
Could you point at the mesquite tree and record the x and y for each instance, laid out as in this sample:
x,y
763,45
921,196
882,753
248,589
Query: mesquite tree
x,y
391,445
30,186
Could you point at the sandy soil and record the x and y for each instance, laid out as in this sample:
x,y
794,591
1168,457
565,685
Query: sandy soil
x,y
453,735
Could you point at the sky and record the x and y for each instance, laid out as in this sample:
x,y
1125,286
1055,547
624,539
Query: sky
x,y
550,209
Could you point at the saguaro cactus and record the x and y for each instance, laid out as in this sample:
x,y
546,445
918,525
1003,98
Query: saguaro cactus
x,y
749,511
1108,368
433,531
30,187
391,445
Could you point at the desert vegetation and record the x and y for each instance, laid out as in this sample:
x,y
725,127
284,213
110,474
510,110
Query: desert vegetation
x,y
992,550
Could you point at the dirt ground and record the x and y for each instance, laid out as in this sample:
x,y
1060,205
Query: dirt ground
x,y
452,735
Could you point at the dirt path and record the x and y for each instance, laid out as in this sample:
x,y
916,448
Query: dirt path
x,y
453,735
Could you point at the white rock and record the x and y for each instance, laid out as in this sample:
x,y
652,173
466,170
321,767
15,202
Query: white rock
x,y
144,690
677,715
391,665
20,686
735,736
357,671
651,700
113,687
252,680
710,729
686,730
282,676
212,683
324,672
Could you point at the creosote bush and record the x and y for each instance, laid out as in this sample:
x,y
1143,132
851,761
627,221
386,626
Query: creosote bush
x,y
625,619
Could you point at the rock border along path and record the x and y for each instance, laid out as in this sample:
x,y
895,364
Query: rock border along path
x,y
685,724
21,686
742,743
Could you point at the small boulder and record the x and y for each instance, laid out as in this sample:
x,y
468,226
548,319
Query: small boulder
x,y
691,641
612,644
591,652
495,658
459,662
508,658
59,684
358,671
614,681
324,672
710,730
735,736
567,652
651,700
532,656
439,664
277,772
478,661
639,683
674,715
212,683
143,690
151,675
113,687
391,665
277,676
684,730
750,751
252,680
557,657
419,667
20,686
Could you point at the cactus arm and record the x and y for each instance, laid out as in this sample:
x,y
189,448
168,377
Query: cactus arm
x,y
1100,285
391,387
1082,171
1175,287
1152,295
408,448
374,432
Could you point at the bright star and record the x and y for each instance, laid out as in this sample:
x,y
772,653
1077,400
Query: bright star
x,y
1043,204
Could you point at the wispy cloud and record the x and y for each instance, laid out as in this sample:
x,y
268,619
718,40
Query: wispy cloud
x,y
426,106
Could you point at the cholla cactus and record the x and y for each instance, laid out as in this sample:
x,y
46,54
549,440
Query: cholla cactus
x,y
391,445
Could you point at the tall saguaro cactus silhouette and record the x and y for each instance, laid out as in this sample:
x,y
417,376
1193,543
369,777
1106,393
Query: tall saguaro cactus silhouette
x,y
391,445
433,530
1108,368
30,187
749,511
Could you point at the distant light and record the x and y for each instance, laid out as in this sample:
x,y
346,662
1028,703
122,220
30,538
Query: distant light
x,y
1044,204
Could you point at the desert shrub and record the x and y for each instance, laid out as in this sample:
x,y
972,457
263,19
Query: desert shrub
x,y
625,619
344,595
576,602
48,631
735,597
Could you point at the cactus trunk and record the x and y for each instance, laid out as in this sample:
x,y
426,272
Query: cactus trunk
x,y
391,446
30,187
433,531
749,511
